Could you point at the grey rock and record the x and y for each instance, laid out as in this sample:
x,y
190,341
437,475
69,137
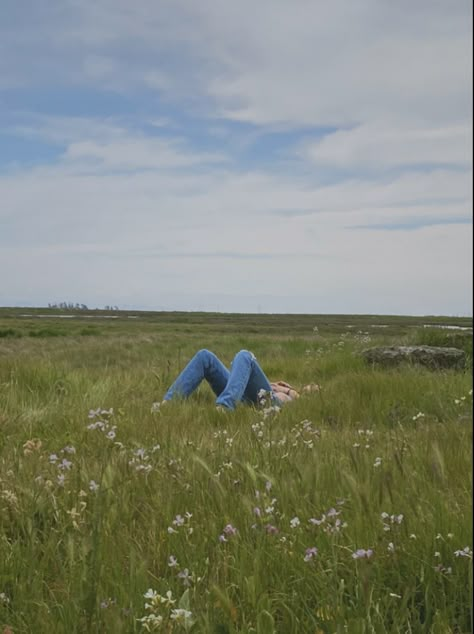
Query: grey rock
x,y
430,356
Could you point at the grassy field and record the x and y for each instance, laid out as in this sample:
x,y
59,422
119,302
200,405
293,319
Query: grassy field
x,y
348,511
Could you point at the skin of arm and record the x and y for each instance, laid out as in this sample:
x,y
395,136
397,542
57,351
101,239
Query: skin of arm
x,y
285,392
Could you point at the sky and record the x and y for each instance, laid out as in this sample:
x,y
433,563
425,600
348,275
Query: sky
x,y
279,156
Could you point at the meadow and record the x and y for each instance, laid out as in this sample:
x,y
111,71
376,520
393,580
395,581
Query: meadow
x,y
350,510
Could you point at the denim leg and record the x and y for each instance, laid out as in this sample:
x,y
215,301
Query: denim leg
x,y
245,381
204,365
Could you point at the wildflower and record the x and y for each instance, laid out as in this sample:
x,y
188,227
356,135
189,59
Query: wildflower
x,y
181,616
172,561
257,511
53,458
186,577
167,601
310,553
271,530
262,396
178,520
332,512
394,519
4,599
155,407
150,594
361,553
69,449
171,530
230,530
222,538
378,462
151,622
295,522
412,536
336,527
146,468
93,486
106,603
417,416
317,522
94,412
437,554
396,596
391,547
97,425
61,479
110,434
65,464
465,552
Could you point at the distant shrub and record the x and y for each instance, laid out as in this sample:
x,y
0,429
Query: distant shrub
x,y
9,332
45,332
89,331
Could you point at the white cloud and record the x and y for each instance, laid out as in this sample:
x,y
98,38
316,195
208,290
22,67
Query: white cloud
x,y
132,154
377,146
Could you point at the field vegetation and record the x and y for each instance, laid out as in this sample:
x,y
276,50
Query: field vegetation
x,y
350,510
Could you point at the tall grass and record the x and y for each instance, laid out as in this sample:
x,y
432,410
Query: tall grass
x,y
348,511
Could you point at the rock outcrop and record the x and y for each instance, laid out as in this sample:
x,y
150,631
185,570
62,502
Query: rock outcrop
x,y
430,356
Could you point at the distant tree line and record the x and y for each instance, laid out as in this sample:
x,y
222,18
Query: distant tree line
x,y
77,306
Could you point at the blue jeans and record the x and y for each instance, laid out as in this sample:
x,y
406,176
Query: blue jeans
x,y
242,382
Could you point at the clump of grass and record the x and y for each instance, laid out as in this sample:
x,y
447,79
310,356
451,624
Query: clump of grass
x,y
9,332
89,331
46,332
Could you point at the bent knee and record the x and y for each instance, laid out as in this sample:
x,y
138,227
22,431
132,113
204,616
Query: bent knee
x,y
245,354
205,354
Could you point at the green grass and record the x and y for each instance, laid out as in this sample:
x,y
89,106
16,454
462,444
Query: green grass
x,y
399,442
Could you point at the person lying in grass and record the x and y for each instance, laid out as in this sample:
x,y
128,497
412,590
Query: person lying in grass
x,y
244,382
